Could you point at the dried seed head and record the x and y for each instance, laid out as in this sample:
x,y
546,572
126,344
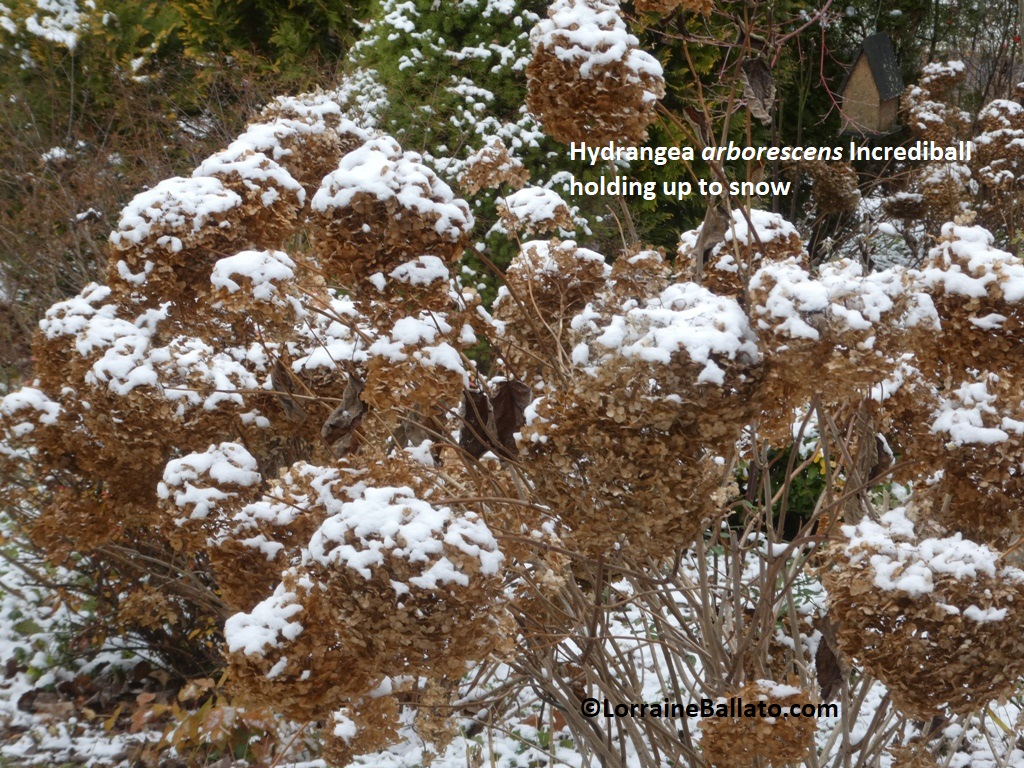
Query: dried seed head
x,y
746,741
381,208
534,210
939,621
588,80
491,166
387,585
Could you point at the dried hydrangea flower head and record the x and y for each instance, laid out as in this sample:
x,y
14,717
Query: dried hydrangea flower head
x,y
588,80
834,186
747,741
201,492
833,334
638,273
318,641
168,238
545,285
960,500
257,285
367,725
271,197
927,114
380,208
418,365
977,291
535,210
653,391
306,134
939,621
974,441
491,166
740,244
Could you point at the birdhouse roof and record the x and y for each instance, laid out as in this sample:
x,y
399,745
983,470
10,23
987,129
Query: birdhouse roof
x,y
884,68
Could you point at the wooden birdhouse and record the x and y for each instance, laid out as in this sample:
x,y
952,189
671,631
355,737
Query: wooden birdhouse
x,y
870,94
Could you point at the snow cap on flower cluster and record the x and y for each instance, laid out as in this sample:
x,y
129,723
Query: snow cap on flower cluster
x,y
21,411
393,523
323,340
842,293
535,209
253,168
588,79
265,270
592,34
763,227
900,561
684,318
121,354
739,244
966,263
268,625
382,170
195,482
423,270
971,415
184,206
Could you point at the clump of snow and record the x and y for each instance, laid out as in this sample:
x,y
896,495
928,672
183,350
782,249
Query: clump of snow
x,y
344,727
327,337
30,399
420,337
268,625
72,316
965,263
902,562
962,415
6,22
534,207
264,269
775,690
767,226
55,156
254,168
194,482
793,296
921,313
58,21
797,305
421,271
